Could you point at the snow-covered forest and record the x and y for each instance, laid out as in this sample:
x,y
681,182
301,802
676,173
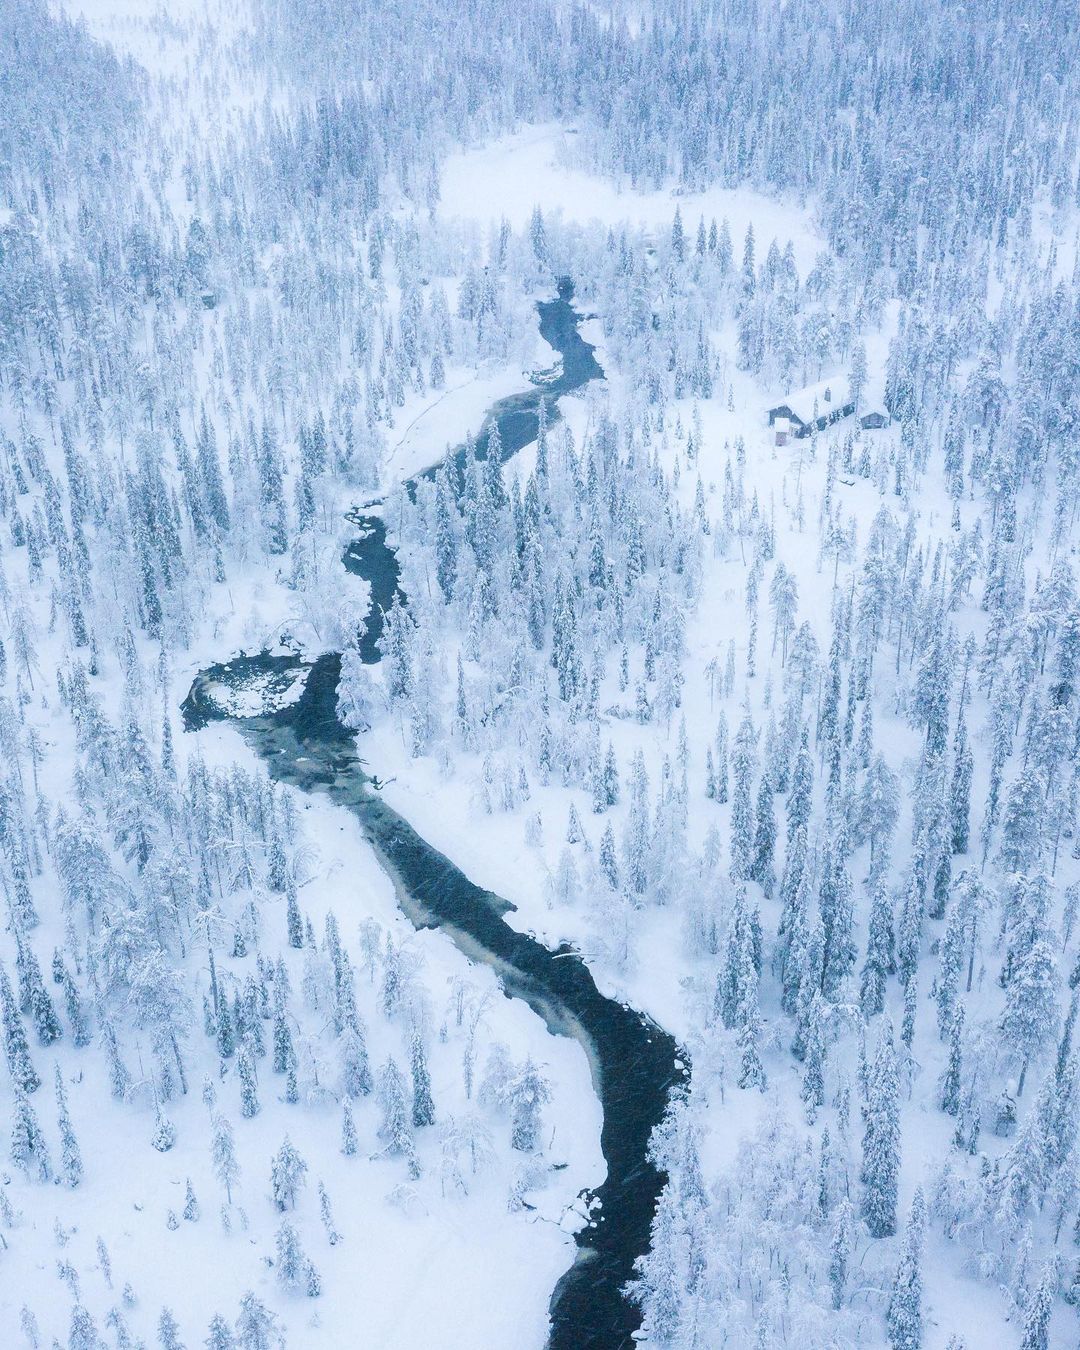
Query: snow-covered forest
x,y
753,677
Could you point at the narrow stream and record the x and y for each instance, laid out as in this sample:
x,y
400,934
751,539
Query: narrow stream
x,y
635,1065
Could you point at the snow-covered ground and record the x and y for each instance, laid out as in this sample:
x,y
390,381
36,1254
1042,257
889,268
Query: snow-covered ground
x,y
512,175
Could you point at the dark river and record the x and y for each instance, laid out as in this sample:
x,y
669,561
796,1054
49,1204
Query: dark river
x,y
635,1064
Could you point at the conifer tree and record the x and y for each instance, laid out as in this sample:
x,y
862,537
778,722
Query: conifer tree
x,y
904,1318
249,1097
881,1140
226,1030
879,954
611,777
949,1098
802,787
843,1241
1037,1314
395,1127
356,1070
1029,1019
879,808
16,1048
80,1025
71,1165
747,1018
168,1332
721,761
327,1216
527,1092
742,818
256,1326
83,1332
835,902
764,839
28,1149
284,1051
609,865
287,1173
659,1290
348,1130
423,1108
911,1004
294,923
813,1084
164,1135
291,1264
46,1023
960,791
223,1154
636,837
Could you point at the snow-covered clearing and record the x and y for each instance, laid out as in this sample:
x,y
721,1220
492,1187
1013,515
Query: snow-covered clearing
x,y
510,176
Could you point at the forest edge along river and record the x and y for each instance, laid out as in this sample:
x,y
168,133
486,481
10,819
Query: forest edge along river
x,y
635,1065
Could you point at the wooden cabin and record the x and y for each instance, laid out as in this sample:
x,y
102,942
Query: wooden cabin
x,y
819,405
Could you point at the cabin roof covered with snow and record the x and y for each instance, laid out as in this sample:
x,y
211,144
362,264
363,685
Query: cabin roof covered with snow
x,y
829,395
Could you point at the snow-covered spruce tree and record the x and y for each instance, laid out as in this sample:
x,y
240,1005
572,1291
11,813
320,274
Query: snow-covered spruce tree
x,y
219,1334
1037,1315
423,1108
29,1151
904,1315
287,1172
292,1267
256,1325
881,1140
16,1048
742,821
396,1128
249,1099
527,1092
348,1130
1029,1019
223,1154
71,1164
168,1332
660,1285
879,963
949,1094
746,1015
